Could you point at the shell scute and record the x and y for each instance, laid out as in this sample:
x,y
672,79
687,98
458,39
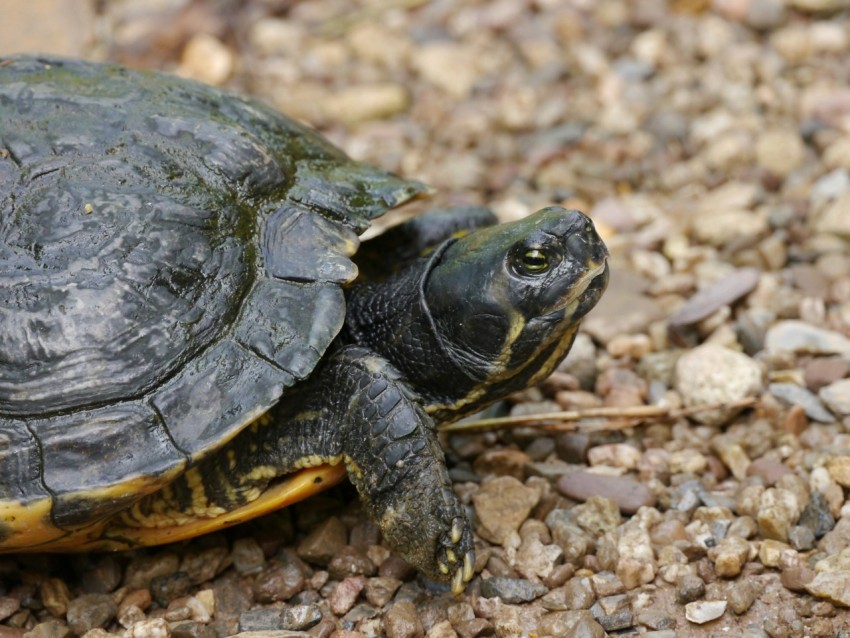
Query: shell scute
x,y
88,453
291,323
216,394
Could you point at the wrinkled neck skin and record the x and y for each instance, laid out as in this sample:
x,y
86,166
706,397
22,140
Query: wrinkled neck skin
x,y
459,361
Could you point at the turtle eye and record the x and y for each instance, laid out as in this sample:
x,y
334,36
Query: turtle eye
x,y
532,261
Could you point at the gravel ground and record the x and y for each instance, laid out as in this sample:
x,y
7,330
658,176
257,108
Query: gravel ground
x,y
711,143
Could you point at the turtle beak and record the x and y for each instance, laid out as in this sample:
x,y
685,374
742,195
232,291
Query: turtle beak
x,y
582,276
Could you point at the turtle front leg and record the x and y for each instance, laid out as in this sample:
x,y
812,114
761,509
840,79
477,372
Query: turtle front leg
x,y
358,408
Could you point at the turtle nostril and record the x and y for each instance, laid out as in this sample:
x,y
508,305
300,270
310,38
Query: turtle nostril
x,y
576,244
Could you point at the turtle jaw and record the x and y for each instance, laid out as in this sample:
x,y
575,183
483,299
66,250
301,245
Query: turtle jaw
x,y
582,296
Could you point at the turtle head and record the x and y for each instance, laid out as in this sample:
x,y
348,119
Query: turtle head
x,y
504,302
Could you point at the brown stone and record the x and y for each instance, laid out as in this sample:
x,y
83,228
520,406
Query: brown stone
x,y
324,542
402,621
768,469
344,596
822,371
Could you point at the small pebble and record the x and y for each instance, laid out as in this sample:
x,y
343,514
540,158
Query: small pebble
x,y
150,628
578,593
778,510
501,505
703,611
512,590
711,298
586,627
768,469
267,619
629,494
712,375
49,629
55,596
833,586
247,556
402,621
324,542
730,556
835,397
839,470
796,336
350,561
207,59
380,590
690,588
613,612
791,394
300,617
167,587
8,606
143,569
90,611
741,594
345,594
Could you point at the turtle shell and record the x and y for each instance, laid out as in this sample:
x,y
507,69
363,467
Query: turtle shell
x,y
171,260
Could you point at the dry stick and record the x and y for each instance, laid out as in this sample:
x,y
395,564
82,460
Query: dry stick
x,y
619,418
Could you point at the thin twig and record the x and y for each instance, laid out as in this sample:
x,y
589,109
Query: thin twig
x,y
615,418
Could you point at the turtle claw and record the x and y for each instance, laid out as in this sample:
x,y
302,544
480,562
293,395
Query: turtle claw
x,y
458,583
464,573
451,556
457,531
468,566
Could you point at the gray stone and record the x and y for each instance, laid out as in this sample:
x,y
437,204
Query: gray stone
x,y
817,516
629,494
801,538
300,617
803,338
512,590
248,556
143,569
690,588
710,299
260,620
613,612
167,587
791,394
741,594
89,612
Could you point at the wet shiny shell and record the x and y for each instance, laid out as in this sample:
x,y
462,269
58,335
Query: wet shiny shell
x,y
171,259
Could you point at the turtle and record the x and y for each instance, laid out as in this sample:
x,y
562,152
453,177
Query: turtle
x,y
193,334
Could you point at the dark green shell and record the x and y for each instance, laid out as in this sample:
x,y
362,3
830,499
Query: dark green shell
x,y
171,259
